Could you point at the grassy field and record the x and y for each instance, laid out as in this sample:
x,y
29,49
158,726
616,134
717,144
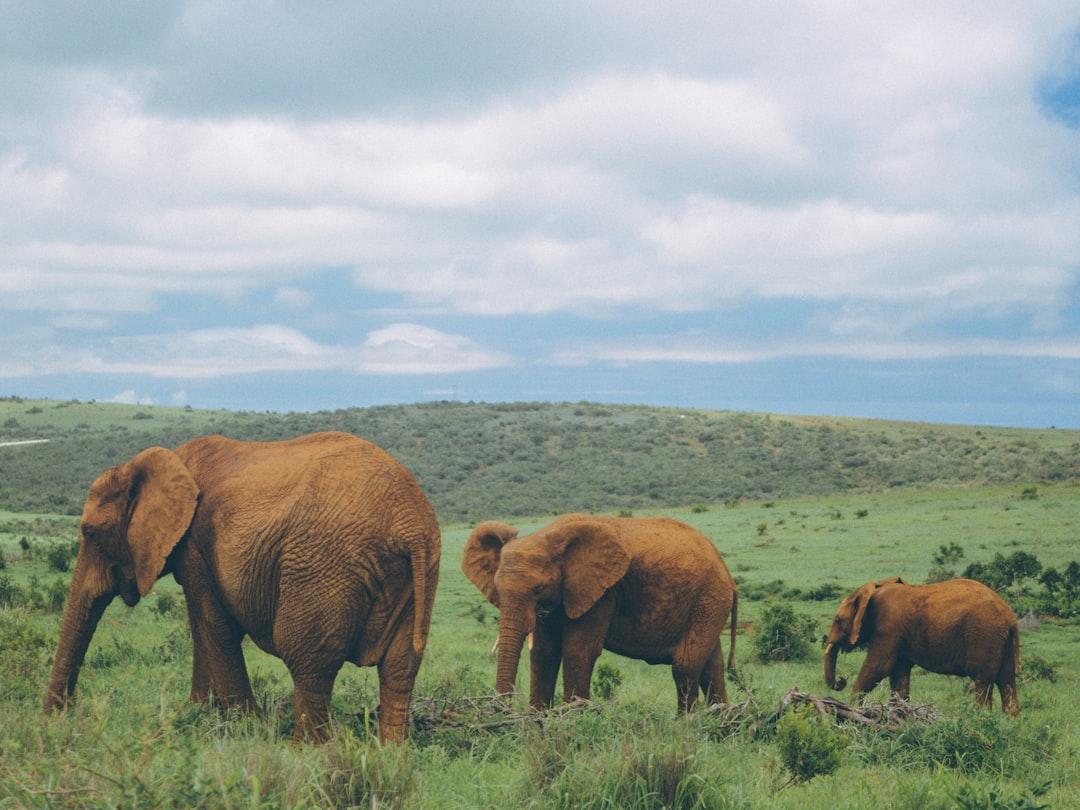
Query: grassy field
x,y
134,740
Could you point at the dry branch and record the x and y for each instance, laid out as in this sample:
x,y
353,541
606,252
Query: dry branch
x,y
890,714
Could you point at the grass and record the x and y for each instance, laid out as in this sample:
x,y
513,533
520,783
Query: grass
x,y
133,740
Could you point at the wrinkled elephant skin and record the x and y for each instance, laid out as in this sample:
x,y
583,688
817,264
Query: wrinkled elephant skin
x,y
321,549
959,627
648,588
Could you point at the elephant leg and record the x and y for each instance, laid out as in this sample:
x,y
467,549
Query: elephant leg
x,y
311,704
874,669
217,655
900,680
397,677
712,681
545,659
583,641
1010,703
984,693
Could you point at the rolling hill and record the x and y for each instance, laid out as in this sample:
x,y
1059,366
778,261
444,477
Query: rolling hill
x,y
482,460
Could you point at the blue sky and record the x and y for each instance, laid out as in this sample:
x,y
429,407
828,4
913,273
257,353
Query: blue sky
x,y
793,208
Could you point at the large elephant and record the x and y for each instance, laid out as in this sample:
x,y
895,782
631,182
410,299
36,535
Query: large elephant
x,y
647,588
959,627
322,549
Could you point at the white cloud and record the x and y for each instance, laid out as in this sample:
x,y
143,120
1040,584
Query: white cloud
x,y
400,349
407,348
129,397
886,167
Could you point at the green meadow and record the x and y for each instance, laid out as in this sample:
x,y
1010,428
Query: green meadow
x,y
134,740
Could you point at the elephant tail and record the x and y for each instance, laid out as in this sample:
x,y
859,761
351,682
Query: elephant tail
x,y
734,622
418,559
1015,631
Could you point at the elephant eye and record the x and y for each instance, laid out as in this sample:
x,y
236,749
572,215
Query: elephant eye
x,y
92,536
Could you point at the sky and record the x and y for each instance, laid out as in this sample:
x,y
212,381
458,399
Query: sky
x,y
824,208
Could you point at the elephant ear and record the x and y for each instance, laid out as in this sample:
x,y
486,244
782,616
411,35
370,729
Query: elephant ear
x,y
860,602
482,552
593,560
163,500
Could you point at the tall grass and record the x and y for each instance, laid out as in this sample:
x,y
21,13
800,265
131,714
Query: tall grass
x,y
133,740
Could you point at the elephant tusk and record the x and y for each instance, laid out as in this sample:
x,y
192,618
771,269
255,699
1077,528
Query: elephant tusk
x,y
828,647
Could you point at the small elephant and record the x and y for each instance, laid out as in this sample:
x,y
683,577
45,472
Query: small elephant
x,y
322,549
959,627
647,588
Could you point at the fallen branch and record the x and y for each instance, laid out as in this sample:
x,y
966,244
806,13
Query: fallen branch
x,y
890,714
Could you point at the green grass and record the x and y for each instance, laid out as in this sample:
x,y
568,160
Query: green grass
x,y
133,739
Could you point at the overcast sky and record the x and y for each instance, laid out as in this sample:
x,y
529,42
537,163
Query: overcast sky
x,y
865,209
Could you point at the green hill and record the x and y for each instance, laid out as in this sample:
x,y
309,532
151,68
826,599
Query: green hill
x,y
482,460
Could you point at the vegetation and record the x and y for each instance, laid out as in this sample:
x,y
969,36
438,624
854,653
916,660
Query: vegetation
x,y
479,460
133,740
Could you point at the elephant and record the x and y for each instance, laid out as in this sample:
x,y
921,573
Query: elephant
x,y
647,588
322,549
958,627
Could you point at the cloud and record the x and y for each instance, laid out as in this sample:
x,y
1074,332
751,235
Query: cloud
x,y
560,179
407,348
687,350
399,349
129,397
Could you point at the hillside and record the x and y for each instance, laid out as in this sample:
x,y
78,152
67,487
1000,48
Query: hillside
x,y
481,460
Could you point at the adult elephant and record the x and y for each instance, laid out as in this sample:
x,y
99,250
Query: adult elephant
x,y
322,549
959,627
647,588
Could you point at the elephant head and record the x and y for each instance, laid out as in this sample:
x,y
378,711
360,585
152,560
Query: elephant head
x,y
134,515
568,565
846,632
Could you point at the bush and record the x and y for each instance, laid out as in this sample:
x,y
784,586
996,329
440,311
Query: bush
x,y
809,744
56,596
1005,572
782,635
59,556
606,680
25,652
971,741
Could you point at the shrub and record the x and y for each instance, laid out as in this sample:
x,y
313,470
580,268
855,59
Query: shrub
x,y
971,741
56,596
1036,668
606,680
809,744
14,595
60,556
25,651
782,635
165,604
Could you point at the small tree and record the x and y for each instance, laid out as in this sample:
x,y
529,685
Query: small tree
x,y
809,744
782,635
944,561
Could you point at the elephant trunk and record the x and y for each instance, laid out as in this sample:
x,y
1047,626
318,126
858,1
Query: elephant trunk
x,y
512,632
81,616
832,649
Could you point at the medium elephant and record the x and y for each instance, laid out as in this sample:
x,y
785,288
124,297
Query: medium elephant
x,y
959,627
322,549
647,588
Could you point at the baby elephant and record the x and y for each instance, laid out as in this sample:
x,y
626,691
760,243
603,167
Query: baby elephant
x,y
647,588
959,627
